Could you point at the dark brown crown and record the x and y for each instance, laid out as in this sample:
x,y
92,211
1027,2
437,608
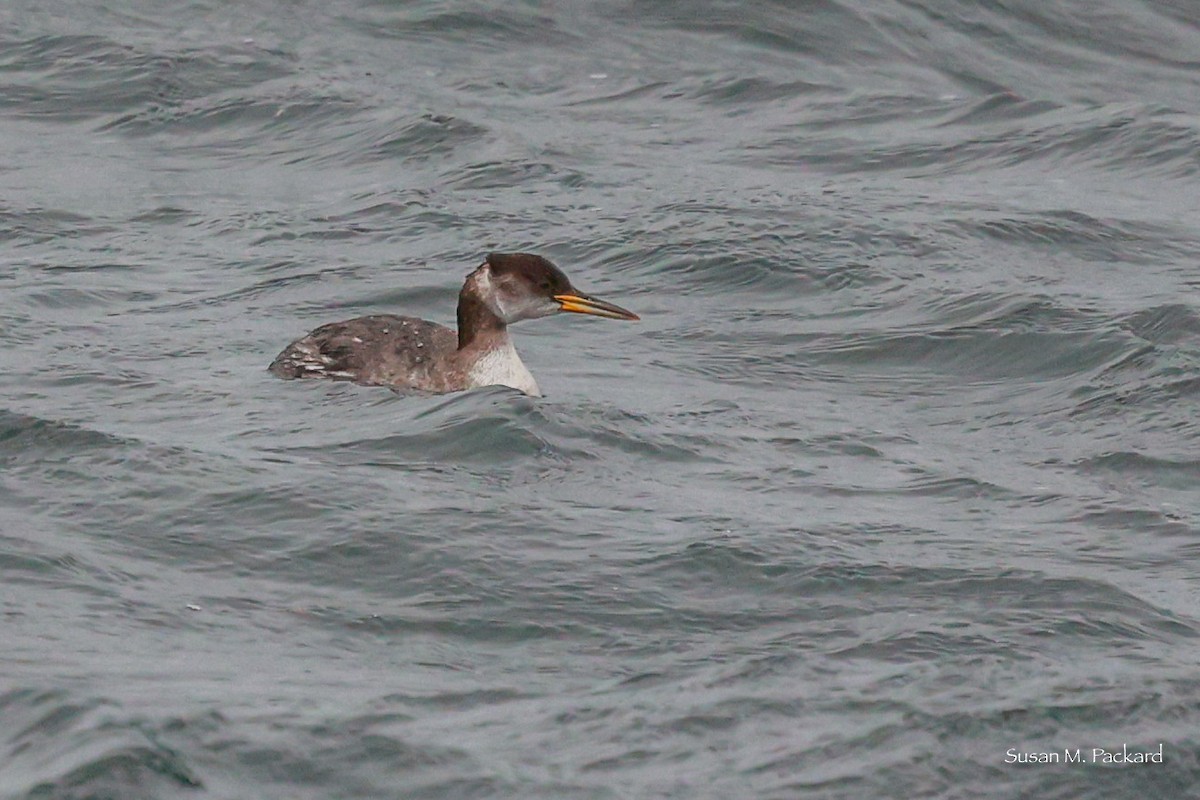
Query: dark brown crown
x,y
536,270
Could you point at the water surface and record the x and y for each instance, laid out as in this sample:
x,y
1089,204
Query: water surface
x,y
897,474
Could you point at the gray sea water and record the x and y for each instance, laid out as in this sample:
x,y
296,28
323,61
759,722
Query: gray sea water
x,y
894,485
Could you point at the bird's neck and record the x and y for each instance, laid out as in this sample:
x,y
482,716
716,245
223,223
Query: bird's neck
x,y
476,321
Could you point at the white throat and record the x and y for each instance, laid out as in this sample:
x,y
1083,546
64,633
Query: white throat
x,y
501,366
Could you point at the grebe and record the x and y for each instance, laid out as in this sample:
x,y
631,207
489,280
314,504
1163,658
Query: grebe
x,y
411,353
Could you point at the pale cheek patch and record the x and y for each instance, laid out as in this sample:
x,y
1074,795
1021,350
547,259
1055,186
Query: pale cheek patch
x,y
506,300
485,289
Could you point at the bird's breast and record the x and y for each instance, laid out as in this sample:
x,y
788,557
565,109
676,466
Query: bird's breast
x,y
501,366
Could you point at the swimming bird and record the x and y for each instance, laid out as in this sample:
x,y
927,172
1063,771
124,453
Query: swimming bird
x,y
411,353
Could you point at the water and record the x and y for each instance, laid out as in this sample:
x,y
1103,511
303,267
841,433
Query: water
x,y
897,474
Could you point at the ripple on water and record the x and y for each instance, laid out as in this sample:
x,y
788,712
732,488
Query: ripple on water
x,y
93,77
1115,138
64,747
33,226
1097,240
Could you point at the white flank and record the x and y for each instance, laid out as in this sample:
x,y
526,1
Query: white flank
x,y
503,367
